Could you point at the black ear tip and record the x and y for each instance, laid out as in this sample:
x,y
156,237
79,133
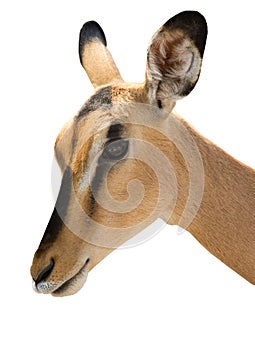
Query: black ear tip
x,y
188,18
89,32
194,24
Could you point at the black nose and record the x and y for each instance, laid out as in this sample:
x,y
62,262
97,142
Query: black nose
x,y
45,272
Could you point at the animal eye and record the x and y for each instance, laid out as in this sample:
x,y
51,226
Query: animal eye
x,y
115,150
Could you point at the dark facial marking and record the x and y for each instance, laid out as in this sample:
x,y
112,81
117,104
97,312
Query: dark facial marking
x,y
103,166
159,104
115,130
101,171
100,100
56,221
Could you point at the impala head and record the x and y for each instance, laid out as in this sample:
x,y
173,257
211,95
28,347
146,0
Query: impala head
x,y
117,176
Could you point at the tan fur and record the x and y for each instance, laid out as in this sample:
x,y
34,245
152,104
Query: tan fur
x,y
95,53
172,172
224,222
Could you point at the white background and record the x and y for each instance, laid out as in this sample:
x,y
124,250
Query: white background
x,y
168,293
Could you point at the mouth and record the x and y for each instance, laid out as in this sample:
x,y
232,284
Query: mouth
x,y
74,284
67,287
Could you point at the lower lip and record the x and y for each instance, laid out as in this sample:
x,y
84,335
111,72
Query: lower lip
x,y
63,289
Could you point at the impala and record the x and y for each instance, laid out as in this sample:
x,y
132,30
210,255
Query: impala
x,y
127,159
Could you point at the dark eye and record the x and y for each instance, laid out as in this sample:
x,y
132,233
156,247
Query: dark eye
x,y
115,150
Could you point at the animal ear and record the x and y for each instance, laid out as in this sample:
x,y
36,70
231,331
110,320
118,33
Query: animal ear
x,y
174,58
95,57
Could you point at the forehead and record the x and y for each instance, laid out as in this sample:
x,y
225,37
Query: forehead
x,y
109,96
122,105
99,118
123,99
102,99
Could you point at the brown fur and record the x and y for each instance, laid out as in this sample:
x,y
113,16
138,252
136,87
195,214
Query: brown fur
x,y
172,173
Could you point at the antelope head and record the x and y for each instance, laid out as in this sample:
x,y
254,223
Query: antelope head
x,y
121,162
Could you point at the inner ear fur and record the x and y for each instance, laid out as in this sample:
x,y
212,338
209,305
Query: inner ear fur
x,y
175,56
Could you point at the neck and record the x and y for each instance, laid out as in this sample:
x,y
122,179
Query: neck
x,y
223,219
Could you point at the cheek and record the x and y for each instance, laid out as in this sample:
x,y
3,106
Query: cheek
x,y
134,186
126,195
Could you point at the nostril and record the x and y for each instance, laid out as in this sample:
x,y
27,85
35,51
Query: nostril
x,y
45,272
